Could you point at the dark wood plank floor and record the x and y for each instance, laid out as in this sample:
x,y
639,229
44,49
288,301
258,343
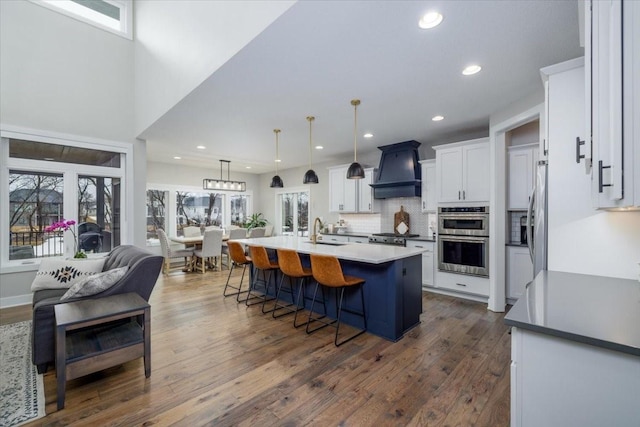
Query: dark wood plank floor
x,y
215,362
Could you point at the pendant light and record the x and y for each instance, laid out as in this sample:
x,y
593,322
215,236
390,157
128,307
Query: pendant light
x,y
355,171
276,181
310,177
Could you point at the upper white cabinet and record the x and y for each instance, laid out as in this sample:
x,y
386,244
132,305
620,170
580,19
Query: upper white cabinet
x,y
351,195
429,201
462,171
522,166
612,61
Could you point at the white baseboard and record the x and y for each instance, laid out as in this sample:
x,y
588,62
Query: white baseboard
x,y
15,301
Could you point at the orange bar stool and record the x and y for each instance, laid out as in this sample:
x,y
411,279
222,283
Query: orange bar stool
x,y
269,269
328,273
292,268
238,259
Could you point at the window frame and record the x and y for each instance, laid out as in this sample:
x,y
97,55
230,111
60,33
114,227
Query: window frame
x,y
278,205
126,15
171,205
70,172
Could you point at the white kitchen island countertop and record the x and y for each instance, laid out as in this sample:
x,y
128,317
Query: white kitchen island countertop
x,y
366,253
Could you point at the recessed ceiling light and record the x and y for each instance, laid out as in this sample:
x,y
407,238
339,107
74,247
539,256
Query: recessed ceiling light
x,y
177,157
430,20
437,118
368,135
201,147
247,167
471,69
319,147
278,160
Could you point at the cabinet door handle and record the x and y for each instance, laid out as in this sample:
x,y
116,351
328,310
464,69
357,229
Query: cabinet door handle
x,y
461,284
458,194
369,206
464,196
600,184
418,246
578,144
423,204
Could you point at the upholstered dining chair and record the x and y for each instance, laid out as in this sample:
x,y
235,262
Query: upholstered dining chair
x,y
191,231
211,249
168,254
256,232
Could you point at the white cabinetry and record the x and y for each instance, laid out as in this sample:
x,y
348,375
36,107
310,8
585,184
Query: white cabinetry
x,y
335,239
429,201
355,239
522,161
462,171
463,284
428,260
557,382
351,195
612,90
519,270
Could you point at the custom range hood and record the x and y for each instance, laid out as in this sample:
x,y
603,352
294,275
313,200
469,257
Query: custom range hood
x,y
399,171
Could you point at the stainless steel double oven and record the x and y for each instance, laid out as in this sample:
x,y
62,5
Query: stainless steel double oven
x,y
463,240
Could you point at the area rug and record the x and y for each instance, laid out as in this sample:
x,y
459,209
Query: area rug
x,y
21,388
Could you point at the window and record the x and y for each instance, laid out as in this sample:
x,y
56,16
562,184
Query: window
x,y
197,209
111,15
294,213
238,209
46,180
156,213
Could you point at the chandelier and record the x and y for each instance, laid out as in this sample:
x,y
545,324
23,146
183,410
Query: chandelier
x,y
223,184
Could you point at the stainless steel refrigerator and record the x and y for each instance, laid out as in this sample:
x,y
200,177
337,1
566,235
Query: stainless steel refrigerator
x,y
537,219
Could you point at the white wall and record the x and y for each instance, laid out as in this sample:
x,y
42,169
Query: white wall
x,y
53,76
178,44
190,176
61,75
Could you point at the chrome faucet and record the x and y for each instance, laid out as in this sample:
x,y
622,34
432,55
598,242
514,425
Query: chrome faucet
x,y
314,236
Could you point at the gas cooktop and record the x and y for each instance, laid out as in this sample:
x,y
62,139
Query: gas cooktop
x,y
394,235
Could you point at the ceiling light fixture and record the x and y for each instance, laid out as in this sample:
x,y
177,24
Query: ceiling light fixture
x,y
177,157
201,147
437,118
276,181
319,147
471,69
430,20
223,184
368,135
310,177
355,170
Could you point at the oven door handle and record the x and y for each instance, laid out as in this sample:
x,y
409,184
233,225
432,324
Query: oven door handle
x,y
478,239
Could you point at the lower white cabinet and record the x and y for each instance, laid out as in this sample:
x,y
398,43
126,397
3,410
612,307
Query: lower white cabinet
x,y
462,283
428,260
558,382
519,270
354,239
335,238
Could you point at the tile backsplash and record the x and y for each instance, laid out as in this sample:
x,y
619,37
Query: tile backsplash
x,y
514,225
383,222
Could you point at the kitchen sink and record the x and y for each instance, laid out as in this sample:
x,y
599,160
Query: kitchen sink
x,y
320,242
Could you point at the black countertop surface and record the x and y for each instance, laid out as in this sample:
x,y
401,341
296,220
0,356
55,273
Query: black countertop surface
x,y
601,311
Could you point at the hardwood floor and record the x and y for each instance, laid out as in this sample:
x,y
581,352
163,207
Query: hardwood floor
x,y
215,362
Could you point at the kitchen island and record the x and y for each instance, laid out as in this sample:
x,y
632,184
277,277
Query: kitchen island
x,y
393,288
575,350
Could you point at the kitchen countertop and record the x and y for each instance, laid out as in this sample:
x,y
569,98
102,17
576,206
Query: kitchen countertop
x,y
422,238
356,234
371,254
595,310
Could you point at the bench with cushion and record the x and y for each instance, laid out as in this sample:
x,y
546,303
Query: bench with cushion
x,y
140,277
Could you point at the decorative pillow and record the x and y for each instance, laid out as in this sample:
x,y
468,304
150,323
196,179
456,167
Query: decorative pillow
x,y
61,274
95,284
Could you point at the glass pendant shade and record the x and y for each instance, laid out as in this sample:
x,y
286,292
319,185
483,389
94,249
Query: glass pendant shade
x,y
355,171
310,177
276,182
